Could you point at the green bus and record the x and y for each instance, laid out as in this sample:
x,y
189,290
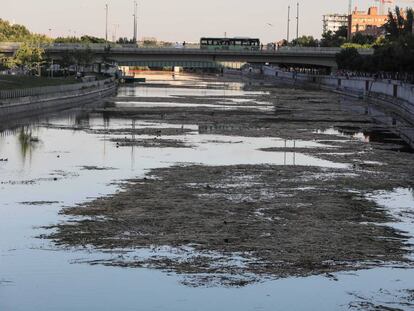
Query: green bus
x,y
238,44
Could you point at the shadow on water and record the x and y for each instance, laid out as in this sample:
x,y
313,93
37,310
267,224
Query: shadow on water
x,y
393,127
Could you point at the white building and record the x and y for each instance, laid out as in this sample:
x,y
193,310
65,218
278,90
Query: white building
x,y
332,22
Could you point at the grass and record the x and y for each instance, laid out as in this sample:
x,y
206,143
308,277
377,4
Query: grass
x,y
8,82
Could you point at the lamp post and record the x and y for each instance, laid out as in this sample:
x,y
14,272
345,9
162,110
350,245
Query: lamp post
x,y
136,20
297,21
288,24
106,22
135,15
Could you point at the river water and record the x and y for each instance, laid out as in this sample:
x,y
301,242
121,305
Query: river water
x,y
48,167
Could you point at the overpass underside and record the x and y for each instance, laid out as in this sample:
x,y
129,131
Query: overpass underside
x,y
179,63
196,58
219,62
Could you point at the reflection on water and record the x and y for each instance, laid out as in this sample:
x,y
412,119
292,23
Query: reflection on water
x,y
60,147
144,91
28,142
393,127
380,135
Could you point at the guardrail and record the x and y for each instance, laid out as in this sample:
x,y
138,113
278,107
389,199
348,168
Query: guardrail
x,y
11,94
190,47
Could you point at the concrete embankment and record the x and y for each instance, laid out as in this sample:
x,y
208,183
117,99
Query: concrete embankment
x,y
395,92
35,101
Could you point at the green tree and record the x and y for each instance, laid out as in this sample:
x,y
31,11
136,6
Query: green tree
x,y
125,40
7,62
399,25
335,39
81,40
29,57
306,41
19,33
67,40
362,39
348,59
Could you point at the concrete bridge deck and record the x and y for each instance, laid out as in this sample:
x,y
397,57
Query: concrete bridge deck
x,y
193,57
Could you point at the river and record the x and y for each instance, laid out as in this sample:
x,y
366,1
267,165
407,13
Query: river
x,y
70,157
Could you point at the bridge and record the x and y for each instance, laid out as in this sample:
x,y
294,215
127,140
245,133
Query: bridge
x,y
192,57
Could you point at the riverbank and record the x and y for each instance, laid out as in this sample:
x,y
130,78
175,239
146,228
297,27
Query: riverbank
x,y
394,97
34,101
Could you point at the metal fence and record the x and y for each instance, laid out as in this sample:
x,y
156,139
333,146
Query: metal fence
x,y
10,94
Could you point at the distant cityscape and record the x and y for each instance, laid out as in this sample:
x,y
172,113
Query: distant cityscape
x,y
370,22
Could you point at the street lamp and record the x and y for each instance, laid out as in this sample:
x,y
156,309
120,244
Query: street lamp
x,y
288,25
297,22
106,23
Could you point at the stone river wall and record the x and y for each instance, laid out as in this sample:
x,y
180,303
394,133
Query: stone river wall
x,y
26,102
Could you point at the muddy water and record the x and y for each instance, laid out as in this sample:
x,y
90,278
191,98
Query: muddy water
x,y
64,160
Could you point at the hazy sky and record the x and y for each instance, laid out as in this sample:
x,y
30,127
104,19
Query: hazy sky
x,y
173,20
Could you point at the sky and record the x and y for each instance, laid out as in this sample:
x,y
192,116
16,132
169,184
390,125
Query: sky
x,y
174,20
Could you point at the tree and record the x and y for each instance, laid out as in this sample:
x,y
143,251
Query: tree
x,y
66,40
306,41
19,33
348,59
398,25
77,57
81,40
29,57
7,62
125,41
362,39
335,39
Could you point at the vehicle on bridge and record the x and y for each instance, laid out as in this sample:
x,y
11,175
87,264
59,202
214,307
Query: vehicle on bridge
x,y
237,44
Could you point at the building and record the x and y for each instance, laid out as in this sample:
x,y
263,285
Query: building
x,y
370,22
332,22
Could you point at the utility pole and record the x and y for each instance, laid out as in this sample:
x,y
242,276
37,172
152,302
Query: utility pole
x,y
115,32
297,21
106,23
349,19
288,25
135,39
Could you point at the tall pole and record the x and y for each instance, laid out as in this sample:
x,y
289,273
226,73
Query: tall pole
x,y
106,23
288,25
349,19
297,21
135,22
134,35
136,19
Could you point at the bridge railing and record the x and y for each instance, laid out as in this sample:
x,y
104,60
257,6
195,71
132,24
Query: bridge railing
x,y
37,91
189,47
